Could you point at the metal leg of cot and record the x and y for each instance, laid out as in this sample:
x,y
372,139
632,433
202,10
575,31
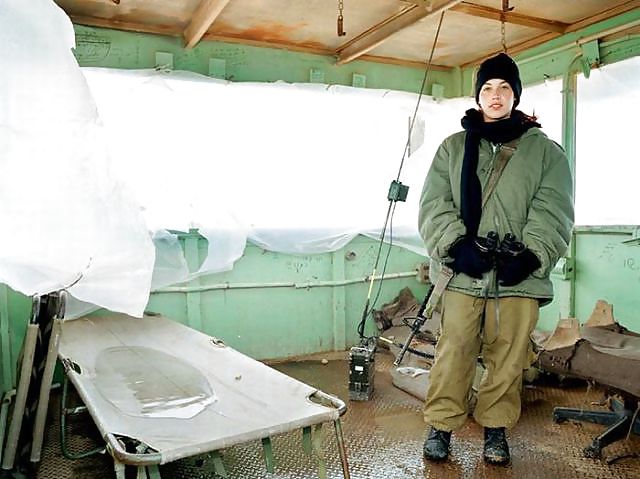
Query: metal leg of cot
x,y
218,465
269,459
119,468
45,390
326,399
153,472
30,340
317,449
342,449
306,440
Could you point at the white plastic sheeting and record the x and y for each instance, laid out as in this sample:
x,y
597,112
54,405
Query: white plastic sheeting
x,y
171,266
607,159
293,168
63,216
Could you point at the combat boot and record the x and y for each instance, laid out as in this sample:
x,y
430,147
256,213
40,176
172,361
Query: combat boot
x,y
496,449
436,446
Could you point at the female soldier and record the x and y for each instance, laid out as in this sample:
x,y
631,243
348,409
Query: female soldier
x,y
502,248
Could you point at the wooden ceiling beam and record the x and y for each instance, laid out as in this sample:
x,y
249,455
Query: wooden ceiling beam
x,y
377,34
320,51
125,26
534,42
170,31
202,19
510,17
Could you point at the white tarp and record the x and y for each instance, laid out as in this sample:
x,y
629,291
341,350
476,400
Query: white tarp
x,y
63,217
607,158
293,168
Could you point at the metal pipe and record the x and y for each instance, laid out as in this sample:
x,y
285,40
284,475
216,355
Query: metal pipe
x,y
342,449
574,276
582,230
305,285
45,390
122,456
21,397
328,400
64,411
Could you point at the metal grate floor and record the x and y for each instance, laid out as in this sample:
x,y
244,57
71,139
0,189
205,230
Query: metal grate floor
x,y
384,440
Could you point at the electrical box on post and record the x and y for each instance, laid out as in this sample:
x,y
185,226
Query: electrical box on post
x,y
397,191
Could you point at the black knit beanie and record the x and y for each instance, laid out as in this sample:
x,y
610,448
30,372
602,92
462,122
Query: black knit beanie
x,y
501,66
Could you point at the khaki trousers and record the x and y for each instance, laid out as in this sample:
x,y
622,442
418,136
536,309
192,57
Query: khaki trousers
x,y
503,346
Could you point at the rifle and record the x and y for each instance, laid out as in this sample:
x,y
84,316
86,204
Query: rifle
x,y
428,306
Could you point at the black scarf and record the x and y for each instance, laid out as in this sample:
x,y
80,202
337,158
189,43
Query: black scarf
x,y
501,131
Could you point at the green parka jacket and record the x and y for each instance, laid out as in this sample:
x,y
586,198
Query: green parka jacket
x,y
533,200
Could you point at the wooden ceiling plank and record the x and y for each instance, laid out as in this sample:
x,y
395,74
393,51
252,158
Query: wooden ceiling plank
x,y
203,17
215,37
381,32
604,15
125,26
510,17
319,51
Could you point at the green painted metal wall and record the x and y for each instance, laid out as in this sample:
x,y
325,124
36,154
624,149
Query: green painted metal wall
x,y
282,321
575,51
608,267
263,321
286,321
100,47
15,311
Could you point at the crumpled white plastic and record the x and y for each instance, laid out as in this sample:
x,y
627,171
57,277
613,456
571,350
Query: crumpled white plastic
x,y
65,222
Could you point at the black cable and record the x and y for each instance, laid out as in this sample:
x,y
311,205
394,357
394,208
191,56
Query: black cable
x,y
386,260
368,309
424,82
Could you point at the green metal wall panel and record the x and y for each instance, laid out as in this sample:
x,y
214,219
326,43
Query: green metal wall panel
x,y
558,308
101,47
608,267
15,310
277,322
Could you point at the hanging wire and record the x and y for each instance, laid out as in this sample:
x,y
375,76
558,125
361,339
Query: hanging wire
x,y
368,308
424,82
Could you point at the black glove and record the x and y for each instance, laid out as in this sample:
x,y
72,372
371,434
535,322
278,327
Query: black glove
x,y
468,258
513,269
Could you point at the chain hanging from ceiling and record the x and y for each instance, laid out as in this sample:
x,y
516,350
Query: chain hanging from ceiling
x,y
503,20
341,32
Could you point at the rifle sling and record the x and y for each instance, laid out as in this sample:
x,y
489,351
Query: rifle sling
x,y
504,155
